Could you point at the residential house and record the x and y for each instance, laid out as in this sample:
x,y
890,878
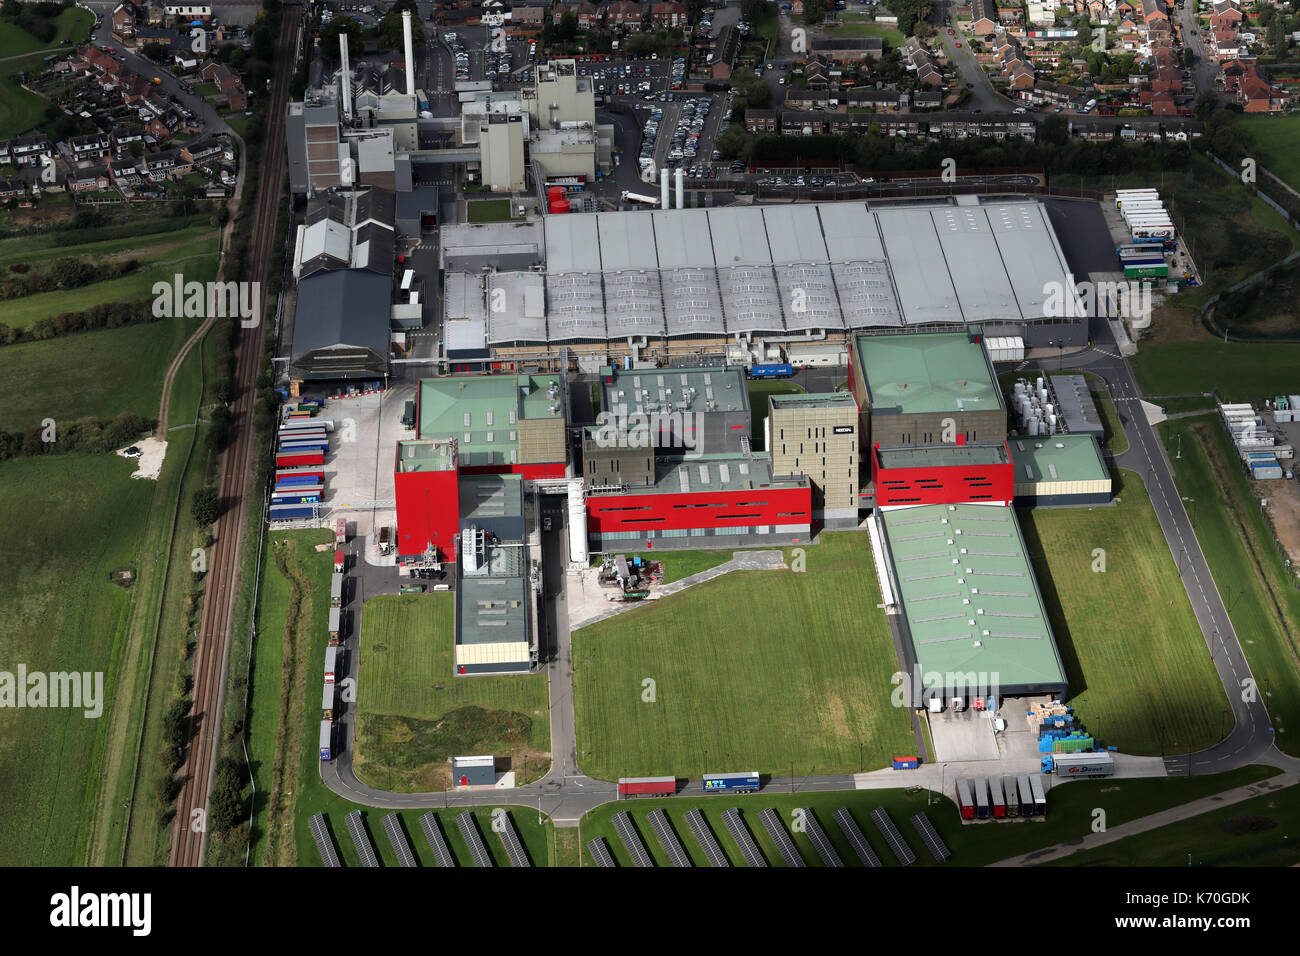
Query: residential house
x,y
88,179
587,14
92,147
669,15
125,173
983,17
848,49
30,150
623,13
165,164
12,189
761,121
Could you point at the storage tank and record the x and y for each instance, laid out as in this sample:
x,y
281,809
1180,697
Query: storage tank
x,y
558,206
555,192
577,523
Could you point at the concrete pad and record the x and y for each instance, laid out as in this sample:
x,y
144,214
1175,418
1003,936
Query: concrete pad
x,y
152,453
965,735
1153,413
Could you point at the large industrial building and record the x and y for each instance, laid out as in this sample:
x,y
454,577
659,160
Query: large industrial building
x,y
972,618
740,280
816,435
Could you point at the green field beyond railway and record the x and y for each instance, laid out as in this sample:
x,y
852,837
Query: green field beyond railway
x,y
764,670
414,714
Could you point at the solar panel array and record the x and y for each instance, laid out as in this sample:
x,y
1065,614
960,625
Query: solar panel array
x,y
401,846
599,850
849,827
324,844
820,843
473,839
632,840
781,837
437,843
668,839
361,840
700,827
744,839
880,816
930,837
505,826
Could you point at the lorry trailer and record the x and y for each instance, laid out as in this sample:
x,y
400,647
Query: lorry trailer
x,y
647,786
965,800
340,532
331,660
340,561
1079,765
336,590
1013,796
288,512
297,458
336,616
996,798
1040,797
327,701
734,782
771,370
326,740
1026,794
981,798
645,200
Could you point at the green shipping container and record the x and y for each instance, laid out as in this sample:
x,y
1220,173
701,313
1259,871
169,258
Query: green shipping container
x,y
1138,272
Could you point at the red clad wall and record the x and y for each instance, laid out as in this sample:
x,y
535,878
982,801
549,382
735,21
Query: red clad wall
x,y
942,486
702,509
428,509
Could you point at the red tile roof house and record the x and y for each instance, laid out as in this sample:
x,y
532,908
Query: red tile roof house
x,y
1166,80
88,180
1256,95
623,13
1162,104
668,14
587,14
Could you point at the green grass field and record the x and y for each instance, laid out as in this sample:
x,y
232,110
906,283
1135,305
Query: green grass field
x,y
1237,372
1255,832
285,839
753,670
72,24
110,374
195,260
855,25
488,210
20,109
80,518
1263,605
1147,687
1275,138
148,246
1114,435
1069,816
413,714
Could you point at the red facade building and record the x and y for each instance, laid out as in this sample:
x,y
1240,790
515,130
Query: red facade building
x,y
428,499
977,473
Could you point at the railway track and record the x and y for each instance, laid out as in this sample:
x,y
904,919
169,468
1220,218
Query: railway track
x,y
203,735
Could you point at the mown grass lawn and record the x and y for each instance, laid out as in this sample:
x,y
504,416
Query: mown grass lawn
x,y
759,670
1258,593
72,519
20,109
1140,674
1237,372
414,714
488,210
1070,816
1255,832
1275,138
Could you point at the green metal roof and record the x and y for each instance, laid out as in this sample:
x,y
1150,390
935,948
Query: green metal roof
x,y
1057,458
933,372
483,412
950,598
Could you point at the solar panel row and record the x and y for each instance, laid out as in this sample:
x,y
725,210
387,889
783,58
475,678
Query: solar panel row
x,y
849,827
744,839
668,839
396,836
930,837
437,842
473,839
632,840
361,839
700,827
820,843
880,816
599,850
505,826
324,844
784,844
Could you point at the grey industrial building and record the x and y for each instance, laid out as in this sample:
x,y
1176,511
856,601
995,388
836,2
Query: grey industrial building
x,y
660,283
341,326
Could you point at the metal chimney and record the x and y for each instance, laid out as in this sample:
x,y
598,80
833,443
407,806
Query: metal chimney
x,y
410,53
345,76
663,188
681,188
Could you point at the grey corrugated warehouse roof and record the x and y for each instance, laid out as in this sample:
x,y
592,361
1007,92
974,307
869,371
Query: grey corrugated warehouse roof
x,y
341,325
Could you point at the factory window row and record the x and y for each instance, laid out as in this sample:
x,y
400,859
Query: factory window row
x,y
627,508
652,535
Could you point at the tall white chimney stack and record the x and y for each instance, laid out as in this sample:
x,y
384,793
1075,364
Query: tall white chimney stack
x,y
663,188
345,76
410,53
681,188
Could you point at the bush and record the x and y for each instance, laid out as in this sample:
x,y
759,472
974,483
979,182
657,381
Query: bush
x,y
205,507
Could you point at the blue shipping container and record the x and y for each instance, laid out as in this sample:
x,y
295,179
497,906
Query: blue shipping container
x,y
291,512
310,499
774,370
743,782
906,763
